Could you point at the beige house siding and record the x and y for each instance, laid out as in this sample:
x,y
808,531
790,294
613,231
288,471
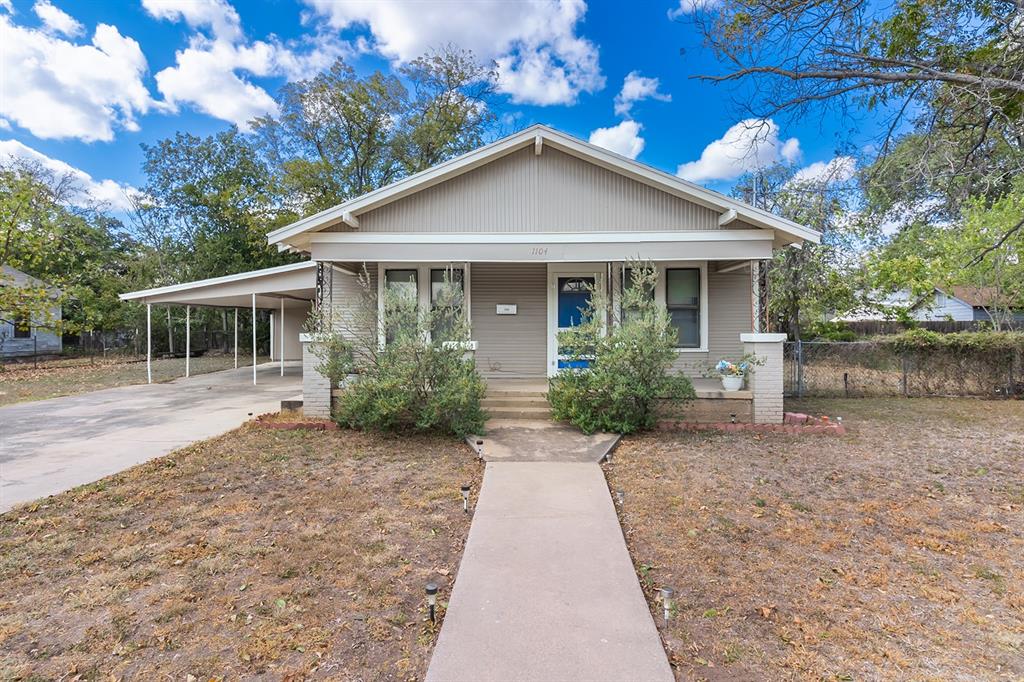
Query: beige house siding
x,y
510,345
350,300
553,192
729,313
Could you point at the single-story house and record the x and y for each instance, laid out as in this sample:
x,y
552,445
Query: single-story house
x,y
957,304
526,222
26,338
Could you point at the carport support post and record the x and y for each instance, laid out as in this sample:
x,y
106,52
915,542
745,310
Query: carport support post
x,y
149,343
188,339
236,338
281,337
254,339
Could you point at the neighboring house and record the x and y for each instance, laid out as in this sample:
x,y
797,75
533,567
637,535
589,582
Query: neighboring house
x,y
527,222
957,304
25,338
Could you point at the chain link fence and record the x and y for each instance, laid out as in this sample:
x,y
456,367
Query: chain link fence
x,y
859,369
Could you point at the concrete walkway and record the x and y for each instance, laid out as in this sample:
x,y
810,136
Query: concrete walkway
x,y
52,445
534,440
546,590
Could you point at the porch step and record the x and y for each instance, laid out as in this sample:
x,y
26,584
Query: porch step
x,y
514,401
515,393
538,413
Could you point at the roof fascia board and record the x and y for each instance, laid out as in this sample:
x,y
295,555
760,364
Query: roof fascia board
x,y
214,281
538,237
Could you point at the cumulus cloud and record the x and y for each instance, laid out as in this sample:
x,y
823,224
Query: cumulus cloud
x,y
691,7
622,139
747,146
61,89
57,20
838,170
540,57
636,88
6,5
212,73
106,191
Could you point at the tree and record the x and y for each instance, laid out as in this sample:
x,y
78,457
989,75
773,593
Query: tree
x,y
947,74
340,135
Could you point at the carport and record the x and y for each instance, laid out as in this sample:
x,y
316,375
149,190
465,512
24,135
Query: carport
x,y
287,291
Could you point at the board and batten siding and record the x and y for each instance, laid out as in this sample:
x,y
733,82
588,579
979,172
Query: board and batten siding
x,y
553,192
510,345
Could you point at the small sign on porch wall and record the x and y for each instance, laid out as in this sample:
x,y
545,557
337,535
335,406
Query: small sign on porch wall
x,y
506,309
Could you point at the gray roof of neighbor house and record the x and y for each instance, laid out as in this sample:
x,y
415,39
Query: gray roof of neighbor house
x,y
729,209
13,275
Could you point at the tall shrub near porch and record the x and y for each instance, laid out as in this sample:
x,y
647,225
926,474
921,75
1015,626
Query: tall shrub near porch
x,y
619,376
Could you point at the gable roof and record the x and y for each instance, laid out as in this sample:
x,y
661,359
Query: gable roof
x,y
539,136
13,276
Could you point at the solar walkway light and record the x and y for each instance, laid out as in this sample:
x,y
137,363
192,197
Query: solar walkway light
x,y
620,496
465,498
666,602
431,599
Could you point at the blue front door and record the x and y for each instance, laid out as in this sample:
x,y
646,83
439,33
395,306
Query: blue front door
x,y
573,299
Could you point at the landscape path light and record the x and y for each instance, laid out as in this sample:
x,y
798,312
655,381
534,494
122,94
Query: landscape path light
x,y
620,496
431,599
666,602
465,498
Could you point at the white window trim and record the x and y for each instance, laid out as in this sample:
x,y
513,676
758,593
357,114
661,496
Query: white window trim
x,y
422,290
660,297
555,270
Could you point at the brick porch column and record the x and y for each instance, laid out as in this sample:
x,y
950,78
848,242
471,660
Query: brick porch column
x,y
766,381
316,388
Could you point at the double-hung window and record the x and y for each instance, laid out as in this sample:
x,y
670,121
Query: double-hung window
x,y
447,293
682,299
627,285
22,328
401,302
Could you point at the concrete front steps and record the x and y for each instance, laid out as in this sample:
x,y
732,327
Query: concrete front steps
x,y
509,399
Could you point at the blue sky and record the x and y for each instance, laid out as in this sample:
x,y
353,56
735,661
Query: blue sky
x,y
84,83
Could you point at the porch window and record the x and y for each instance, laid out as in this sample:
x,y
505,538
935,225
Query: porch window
x,y
22,328
447,294
402,294
682,298
627,284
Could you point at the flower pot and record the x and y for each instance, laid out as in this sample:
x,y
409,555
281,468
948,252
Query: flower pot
x,y
732,383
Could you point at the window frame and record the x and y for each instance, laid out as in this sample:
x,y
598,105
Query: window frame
x,y
22,328
687,306
424,294
660,295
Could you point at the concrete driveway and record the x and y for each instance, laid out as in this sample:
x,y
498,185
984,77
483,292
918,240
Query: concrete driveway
x,y
52,445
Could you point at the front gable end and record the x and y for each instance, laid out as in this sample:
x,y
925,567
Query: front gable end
x,y
528,192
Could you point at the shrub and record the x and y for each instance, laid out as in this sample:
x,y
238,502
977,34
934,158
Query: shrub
x,y
628,378
417,380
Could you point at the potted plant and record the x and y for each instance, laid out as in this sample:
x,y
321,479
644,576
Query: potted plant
x,y
733,373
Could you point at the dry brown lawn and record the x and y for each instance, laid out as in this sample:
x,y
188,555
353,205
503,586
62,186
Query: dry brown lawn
x,y
20,382
896,552
259,554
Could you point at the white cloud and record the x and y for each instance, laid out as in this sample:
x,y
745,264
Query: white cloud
x,y
540,58
57,20
6,5
636,88
61,89
838,170
749,145
622,139
211,74
692,7
106,191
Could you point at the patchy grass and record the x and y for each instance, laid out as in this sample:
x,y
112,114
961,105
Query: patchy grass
x,y
282,554
894,552
21,382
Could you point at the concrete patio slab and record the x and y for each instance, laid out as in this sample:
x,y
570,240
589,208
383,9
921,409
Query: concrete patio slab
x,y
546,590
526,440
52,445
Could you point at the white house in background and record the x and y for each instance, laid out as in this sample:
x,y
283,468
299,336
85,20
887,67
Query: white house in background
x,y
957,304
527,224
25,338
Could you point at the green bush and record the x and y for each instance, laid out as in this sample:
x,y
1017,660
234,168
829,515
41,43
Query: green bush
x,y
421,379
830,331
923,341
629,380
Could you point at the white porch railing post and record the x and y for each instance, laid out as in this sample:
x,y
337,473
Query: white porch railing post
x,y
149,343
188,339
254,339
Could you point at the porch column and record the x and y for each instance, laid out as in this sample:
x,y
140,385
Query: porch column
x,y
280,337
188,338
236,338
254,339
316,388
765,382
149,343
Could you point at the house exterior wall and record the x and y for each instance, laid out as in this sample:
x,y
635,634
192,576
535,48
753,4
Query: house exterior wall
x,y
294,319
949,309
553,192
729,315
42,341
509,345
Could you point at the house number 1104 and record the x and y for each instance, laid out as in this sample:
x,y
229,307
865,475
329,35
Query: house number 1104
x,y
539,251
